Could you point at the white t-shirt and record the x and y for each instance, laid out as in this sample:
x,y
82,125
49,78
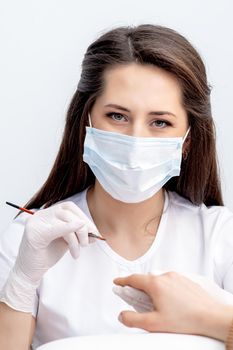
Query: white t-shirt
x,y
75,296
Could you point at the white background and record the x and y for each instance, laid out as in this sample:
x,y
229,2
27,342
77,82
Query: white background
x,y
42,46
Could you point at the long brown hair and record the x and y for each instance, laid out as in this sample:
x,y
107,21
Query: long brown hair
x,y
144,44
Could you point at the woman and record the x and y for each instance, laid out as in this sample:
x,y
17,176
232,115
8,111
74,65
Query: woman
x,y
137,165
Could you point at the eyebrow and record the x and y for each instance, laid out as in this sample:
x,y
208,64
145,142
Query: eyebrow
x,y
151,113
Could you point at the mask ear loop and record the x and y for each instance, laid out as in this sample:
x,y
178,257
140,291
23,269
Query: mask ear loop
x,y
185,154
187,132
89,119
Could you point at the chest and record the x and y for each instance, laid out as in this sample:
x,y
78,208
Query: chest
x,y
76,298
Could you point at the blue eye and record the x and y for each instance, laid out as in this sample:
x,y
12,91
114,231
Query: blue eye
x,y
116,117
160,124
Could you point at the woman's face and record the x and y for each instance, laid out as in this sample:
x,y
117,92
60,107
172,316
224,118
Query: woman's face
x,y
140,100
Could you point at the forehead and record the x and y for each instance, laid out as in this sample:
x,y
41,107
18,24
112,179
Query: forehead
x,y
141,84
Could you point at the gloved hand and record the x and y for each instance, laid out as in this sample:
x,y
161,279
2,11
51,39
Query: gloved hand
x,y
48,234
140,301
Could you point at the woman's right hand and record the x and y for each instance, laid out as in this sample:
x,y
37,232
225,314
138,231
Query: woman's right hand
x,y
48,234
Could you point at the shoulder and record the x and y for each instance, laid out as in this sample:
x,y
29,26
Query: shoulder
x,y
77,197
80,200
214,222
11,237
15,228
219,214
9,244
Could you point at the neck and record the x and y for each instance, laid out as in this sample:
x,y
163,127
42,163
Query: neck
x,y
115,217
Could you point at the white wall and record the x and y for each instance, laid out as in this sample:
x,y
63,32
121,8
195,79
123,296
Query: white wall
x,y
42,46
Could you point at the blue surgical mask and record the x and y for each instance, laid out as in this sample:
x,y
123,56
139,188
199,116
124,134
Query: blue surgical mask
x,y
132,169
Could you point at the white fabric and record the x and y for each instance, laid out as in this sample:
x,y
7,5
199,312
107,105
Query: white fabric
x,y
76,298
149,341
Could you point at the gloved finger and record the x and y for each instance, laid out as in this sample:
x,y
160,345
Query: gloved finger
x,y
51,223
67,215
58,248
61,228
82,235
73,244
134,297
78,212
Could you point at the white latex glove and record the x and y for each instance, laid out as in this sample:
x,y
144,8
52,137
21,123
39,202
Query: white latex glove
x,y
48,234
140,301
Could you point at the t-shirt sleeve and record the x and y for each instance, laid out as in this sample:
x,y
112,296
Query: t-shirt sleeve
x,y
223,252
10,241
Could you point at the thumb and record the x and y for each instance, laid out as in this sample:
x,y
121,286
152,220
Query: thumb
x,y
146,320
